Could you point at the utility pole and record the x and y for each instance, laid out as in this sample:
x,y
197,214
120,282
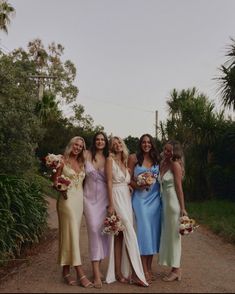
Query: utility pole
x,y
156,123
40,81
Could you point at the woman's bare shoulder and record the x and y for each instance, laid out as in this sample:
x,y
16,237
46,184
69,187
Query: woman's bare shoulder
x,y
87,155
132,157
176,166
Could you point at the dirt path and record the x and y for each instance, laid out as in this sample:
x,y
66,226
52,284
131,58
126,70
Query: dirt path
x,y
208,266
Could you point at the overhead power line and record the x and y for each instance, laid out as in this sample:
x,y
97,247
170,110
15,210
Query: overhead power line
x,y
119,104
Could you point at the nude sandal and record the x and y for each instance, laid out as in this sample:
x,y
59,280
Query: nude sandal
x,y
69,280
87,285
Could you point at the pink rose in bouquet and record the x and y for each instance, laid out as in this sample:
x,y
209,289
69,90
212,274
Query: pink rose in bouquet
x,y
112,225
146,178
63,184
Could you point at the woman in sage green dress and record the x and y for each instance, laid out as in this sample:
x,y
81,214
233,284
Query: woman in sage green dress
x,y
70,211
171,174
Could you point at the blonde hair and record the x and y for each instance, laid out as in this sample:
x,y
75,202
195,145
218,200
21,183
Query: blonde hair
x,y
68,149
125,151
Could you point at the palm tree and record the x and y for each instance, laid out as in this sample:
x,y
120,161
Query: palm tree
x,y
227,80
6,11
48,107
192,121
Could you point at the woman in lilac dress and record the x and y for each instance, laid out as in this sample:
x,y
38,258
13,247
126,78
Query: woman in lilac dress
x,y
95,203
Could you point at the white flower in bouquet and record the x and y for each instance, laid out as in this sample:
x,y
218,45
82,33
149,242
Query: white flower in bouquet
x,y
113,217
112,225
182,226
187,225
53,161
146,178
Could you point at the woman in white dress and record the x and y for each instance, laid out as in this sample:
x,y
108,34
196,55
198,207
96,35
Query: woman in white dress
x,y
124,250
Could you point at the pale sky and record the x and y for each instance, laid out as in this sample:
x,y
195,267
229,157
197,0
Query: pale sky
x,y
130,54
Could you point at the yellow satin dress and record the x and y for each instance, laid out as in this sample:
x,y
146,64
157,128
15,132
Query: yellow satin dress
x,y
70,213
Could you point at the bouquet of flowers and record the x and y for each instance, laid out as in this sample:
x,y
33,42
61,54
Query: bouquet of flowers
x,y
187,225
62,184
53,161
112,225
146,178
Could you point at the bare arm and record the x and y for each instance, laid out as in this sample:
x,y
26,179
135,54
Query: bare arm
x,y
108,171
131,165
177,172
87,155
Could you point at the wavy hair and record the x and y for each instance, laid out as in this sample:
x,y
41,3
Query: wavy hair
x,y
125,152
68,149
153,153
93,147
178,154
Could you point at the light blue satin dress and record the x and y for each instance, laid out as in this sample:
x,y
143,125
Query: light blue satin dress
x,y
147,209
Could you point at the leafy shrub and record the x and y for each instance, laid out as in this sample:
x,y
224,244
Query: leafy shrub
x,y
23,215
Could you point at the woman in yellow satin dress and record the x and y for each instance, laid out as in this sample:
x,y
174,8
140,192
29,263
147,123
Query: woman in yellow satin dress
x,y
70,211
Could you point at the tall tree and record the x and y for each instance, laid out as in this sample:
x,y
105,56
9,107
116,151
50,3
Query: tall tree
x,y
20,127
57,76
227,79
194,123
6,12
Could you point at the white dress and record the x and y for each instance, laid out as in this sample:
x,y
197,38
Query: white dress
x,y
123,207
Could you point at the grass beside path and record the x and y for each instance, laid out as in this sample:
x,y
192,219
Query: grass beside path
x,y
217,215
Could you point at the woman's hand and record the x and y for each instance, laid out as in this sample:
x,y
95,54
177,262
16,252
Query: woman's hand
x,y
130,189
183,212
64,193
143,187
110,210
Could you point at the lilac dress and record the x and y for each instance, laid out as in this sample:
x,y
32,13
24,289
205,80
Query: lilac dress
x,y
95,203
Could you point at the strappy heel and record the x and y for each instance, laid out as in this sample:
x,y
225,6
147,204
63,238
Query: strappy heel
x,y
87,285
121,279
69,280
148,277
152,276
172,277
98,284
137,281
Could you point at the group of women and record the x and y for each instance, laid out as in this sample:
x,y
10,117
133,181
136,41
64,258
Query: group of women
x,y
104,181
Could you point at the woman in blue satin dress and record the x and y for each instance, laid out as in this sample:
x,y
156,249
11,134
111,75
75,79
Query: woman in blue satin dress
x,y
146,201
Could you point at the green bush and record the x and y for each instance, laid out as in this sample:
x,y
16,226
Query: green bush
x,y
217,215
23,215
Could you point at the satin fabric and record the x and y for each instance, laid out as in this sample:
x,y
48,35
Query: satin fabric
x,y
95,209
70,213
123,208
147,208
170,246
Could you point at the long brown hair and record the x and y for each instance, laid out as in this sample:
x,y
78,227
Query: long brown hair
x,y
153,153
93,148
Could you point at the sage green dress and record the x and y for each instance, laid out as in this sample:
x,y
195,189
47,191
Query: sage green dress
x,y
170,244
